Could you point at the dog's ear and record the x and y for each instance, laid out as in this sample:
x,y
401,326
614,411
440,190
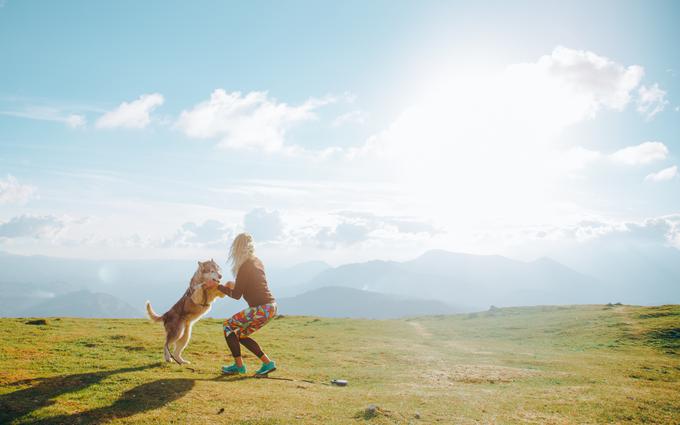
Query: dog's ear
x,y
200,264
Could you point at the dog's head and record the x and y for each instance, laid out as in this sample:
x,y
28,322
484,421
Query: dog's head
x,y
209,270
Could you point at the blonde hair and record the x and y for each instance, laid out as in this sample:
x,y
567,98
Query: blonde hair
x,y
241,250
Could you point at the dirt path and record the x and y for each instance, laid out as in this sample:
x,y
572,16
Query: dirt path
x,y
420,329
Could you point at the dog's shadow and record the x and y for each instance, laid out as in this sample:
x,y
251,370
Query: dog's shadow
x,y
148,396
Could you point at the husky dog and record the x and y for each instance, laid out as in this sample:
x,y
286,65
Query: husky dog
x,y
195,302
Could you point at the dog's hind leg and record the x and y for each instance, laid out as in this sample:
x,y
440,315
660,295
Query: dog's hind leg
x,y
183,342
166,353
174,331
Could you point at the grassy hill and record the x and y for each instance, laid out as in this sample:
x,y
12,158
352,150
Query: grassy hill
x,y
581,364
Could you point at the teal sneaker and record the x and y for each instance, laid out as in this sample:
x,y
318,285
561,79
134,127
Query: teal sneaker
x,y
266,369
233,369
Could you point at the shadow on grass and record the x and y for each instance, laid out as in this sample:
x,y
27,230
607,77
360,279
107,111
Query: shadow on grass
x,y
235,378
665,338
230,378
149,396
44,390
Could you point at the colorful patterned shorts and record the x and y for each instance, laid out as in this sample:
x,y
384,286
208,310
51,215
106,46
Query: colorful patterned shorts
x,y
249,320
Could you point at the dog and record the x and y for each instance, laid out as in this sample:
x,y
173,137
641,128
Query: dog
x,y
195,303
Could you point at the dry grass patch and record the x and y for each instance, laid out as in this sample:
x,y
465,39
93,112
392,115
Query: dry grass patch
x,y
477,374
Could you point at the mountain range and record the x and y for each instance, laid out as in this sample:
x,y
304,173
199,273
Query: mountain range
x,y
337,301
436,282
465,281
84,304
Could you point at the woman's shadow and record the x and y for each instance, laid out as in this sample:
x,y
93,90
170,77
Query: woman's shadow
x,y
144,397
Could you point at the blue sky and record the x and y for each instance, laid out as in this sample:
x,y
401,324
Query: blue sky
x,y
341,131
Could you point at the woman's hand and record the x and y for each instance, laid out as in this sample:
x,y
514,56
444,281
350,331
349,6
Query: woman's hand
x,y
210,284
230,284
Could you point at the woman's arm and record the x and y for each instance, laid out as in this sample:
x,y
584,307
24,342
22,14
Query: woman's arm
x,y
226,288
230,289
235,289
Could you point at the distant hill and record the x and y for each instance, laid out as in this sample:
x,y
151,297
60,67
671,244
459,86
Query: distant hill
x,y
131,281
638,274
378,276
83,304
285,280
349,302
467,281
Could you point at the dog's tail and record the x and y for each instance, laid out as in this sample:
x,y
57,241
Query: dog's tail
x,y
152,314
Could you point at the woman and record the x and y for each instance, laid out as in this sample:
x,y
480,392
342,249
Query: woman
x,y
251,283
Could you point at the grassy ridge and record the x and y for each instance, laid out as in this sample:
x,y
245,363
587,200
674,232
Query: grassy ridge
x,y
582,364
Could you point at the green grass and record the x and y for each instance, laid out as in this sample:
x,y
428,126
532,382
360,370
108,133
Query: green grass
x,y
581,364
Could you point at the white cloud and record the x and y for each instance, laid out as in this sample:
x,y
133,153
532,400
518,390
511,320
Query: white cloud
x,y
135,114
579,157
654,230
344,233
250,121
643,153
576,83
48,113
664,230
13,192
582,231
209,234
352,117
75,121
651,100
32,226
408,225
356,227
263,224
663,175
